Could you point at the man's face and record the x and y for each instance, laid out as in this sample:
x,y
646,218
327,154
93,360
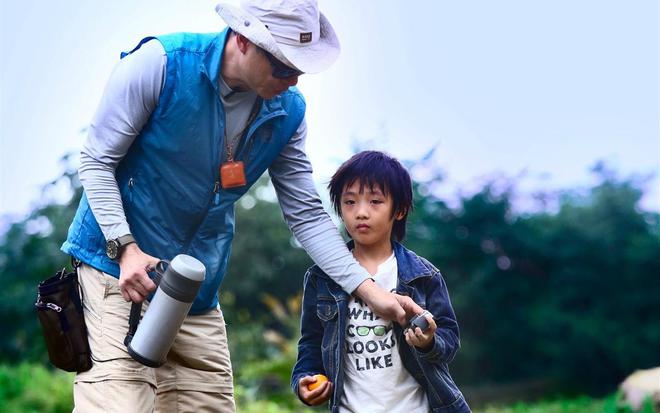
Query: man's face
x,y
259,74
367,214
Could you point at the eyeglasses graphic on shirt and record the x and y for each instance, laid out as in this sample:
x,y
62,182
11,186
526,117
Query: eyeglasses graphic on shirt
x,y
378,330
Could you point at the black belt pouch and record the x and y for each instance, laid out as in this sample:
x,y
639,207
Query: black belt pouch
x,y
60,313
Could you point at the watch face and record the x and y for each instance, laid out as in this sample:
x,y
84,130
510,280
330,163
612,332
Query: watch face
x,y
111,249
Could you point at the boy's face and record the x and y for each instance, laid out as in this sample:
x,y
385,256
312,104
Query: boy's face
x,y
367,214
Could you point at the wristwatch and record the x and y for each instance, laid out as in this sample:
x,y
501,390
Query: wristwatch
x,y
114,247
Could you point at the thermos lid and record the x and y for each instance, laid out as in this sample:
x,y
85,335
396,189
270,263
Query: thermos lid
x,y
188,267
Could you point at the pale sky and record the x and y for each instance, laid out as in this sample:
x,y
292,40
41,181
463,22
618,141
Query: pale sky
x,y
542,87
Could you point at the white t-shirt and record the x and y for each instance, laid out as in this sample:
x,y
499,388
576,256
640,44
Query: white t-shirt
x,y
375,379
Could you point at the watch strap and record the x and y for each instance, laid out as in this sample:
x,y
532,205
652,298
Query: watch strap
x,y
125,240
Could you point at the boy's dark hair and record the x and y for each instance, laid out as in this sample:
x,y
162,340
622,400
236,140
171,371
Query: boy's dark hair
x,y
376,170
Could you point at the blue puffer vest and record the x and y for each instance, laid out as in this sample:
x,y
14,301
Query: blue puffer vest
x,y
168,176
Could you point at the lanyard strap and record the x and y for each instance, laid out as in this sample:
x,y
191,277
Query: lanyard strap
x,y
251,118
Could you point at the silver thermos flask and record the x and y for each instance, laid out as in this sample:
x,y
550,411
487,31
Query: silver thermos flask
x,y
177,289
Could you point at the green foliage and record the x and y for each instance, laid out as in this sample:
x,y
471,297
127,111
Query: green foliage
x,y
30,388
567,295
29,253
265,256
611,404
579,405
265,259
268,379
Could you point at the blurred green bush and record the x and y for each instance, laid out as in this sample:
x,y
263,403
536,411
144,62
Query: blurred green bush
x,y
31,388
564,293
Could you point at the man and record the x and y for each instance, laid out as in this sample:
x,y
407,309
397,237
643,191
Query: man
x,y
187,123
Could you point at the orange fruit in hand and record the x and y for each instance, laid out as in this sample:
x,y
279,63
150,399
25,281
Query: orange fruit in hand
x,y
320,379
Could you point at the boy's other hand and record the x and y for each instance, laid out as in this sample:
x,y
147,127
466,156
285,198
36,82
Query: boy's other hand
x,y
423,340
384,304
314,397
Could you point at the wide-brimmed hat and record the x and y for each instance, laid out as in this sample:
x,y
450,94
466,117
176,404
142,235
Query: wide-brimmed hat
x,y
294,31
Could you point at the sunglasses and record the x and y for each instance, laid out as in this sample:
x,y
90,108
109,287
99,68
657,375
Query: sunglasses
x,y
280,70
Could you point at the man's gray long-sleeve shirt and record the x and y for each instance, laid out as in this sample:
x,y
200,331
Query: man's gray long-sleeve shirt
x,y
130,97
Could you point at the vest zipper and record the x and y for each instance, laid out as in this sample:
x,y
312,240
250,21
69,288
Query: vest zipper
x,y
130,189
216,191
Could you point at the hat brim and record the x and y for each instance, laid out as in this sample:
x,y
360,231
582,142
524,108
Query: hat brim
x,y
308,58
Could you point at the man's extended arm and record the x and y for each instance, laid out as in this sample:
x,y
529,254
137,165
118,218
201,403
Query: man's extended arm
x,y
130,97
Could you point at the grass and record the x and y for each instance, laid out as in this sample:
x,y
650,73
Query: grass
x,y
610,404
31,388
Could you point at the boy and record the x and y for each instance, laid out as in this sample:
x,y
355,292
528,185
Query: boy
x,y
374,365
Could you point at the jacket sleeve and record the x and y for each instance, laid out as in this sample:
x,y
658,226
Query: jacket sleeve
x,y
310,361
447,341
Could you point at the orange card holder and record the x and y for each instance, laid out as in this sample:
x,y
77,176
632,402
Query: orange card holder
x,y
232,174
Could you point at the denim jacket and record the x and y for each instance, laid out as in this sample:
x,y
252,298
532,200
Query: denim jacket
x,y
322,346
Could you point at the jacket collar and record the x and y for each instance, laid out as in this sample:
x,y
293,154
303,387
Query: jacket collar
x,y
212,61
410,266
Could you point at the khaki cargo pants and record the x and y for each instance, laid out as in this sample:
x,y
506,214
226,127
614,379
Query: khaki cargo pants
x,y
197,376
